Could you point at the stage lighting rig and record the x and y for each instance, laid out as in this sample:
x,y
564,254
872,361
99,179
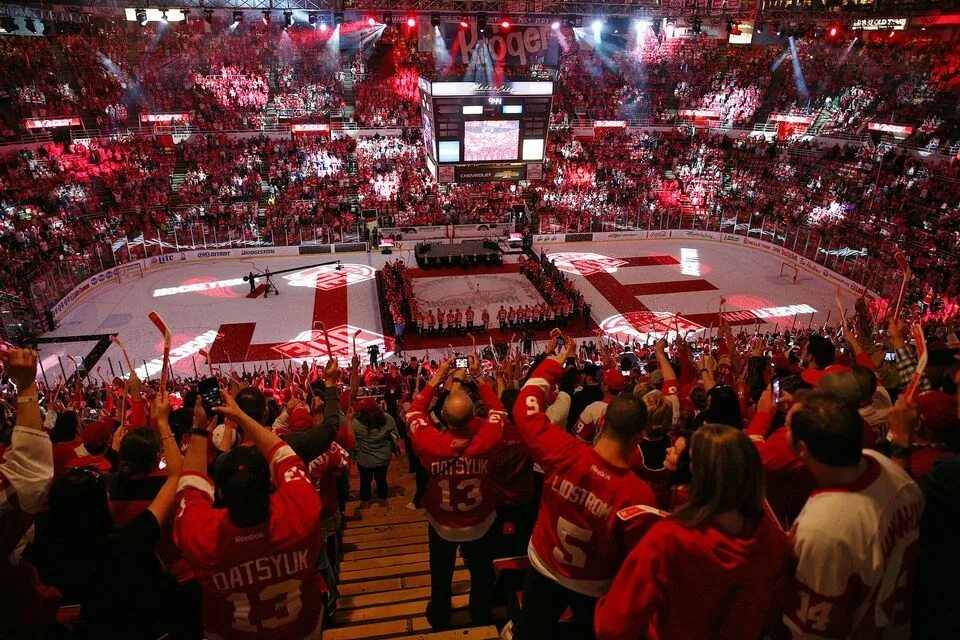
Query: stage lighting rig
x,y
482,28
411,22
163,15
208,16
464,23
266,17
30,25
287,19
312,18
237,17
141,15
337,18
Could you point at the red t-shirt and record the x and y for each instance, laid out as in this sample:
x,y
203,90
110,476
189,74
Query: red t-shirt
x,y
681,583
324,471
513,469
262,581
460,494
578,541
789,483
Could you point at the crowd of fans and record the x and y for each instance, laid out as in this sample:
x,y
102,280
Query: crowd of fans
x,y
632,476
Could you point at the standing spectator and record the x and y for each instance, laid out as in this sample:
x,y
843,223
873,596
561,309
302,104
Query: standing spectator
x,y
719,550
578,541
26,471
460,492
256,558
855,539
377,437
589,393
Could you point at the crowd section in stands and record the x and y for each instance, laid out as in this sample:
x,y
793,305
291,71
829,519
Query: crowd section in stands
x,y
695,456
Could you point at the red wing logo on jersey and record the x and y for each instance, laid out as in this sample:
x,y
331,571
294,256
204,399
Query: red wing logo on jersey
x,y
640,324
640,509
585,264
328,277
311,344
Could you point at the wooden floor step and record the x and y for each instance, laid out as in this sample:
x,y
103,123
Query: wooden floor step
x,y
400,595
384,518
390,611
391,628
413,568
385,560
356,533
379,545
471,633
378,551
395,583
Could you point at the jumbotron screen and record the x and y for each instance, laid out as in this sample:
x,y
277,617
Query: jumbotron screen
x,y
480,133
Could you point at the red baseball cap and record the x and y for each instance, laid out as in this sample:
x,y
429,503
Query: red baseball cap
x,y
96,435
300,419
938,410
614,380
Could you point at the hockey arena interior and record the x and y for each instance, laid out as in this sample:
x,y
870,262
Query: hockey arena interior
x,y
451,320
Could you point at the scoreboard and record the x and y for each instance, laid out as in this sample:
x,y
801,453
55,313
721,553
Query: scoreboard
x,y
480,133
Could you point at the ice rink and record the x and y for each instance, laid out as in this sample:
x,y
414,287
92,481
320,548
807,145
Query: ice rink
x,y
633,287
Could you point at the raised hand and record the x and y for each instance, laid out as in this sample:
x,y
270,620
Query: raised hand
x,y
161,406
331,372
21,366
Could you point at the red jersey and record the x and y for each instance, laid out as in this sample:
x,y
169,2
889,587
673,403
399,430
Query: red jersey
x,y
469,315
513,469
485,317
501,315
578,540
460,494
734,583
511,315
262,581
324,471
789,483
100,463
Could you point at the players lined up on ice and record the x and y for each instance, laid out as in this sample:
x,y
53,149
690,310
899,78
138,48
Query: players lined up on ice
x,y
673,495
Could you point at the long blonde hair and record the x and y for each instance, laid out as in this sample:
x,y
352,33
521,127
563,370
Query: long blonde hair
x,y
659,413
727,476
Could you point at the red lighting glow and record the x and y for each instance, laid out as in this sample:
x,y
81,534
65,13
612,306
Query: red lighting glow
x,y
833,31
504,24
371,21
464,24
411,22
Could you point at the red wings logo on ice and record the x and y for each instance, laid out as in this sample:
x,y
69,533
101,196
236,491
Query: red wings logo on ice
x,y
585,263
329,277
312,344
640,324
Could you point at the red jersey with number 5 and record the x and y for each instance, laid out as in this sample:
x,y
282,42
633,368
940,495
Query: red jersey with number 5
x,y
258,582
578,540
460,496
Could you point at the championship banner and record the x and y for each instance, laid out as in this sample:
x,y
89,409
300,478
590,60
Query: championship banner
x,y
164,117
519,45
51,123
308,128
897,130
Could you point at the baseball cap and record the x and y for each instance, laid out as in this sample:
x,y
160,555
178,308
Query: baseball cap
x,y
938,410
365,404
300,419
614,380
97,434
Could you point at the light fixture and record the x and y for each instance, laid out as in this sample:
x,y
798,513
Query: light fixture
x,y
237,17
555,25
208,16
312,18
434,20
482,25
266,17
287,19
141,17
338,18
464,23
371,22
504,24
29,24
411,22
323,26
163,15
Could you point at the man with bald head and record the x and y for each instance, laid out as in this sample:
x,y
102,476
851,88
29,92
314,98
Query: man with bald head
x,y
457,453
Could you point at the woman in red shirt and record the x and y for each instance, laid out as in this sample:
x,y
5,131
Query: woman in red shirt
x,y
720,550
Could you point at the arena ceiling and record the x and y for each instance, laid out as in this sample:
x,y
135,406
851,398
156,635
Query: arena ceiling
x,y
718,9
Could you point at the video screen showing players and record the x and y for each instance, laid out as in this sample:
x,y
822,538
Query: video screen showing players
x,y
491,140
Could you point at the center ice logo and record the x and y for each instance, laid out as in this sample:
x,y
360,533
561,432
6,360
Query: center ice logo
x,y
640,324
312,344
328,277
585,264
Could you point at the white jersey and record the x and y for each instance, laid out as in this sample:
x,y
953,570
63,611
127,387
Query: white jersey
x,y
855,548
590,423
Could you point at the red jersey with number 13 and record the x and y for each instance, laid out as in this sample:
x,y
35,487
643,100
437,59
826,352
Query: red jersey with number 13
x,y
262,581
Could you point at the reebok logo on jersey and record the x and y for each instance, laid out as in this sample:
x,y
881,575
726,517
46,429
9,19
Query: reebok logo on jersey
x,y
569,491
600,472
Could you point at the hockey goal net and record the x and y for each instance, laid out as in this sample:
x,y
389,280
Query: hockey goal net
x,y
129,271
791,270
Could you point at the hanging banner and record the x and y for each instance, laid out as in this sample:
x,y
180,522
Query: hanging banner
x,y
519,45
51,123
164,117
